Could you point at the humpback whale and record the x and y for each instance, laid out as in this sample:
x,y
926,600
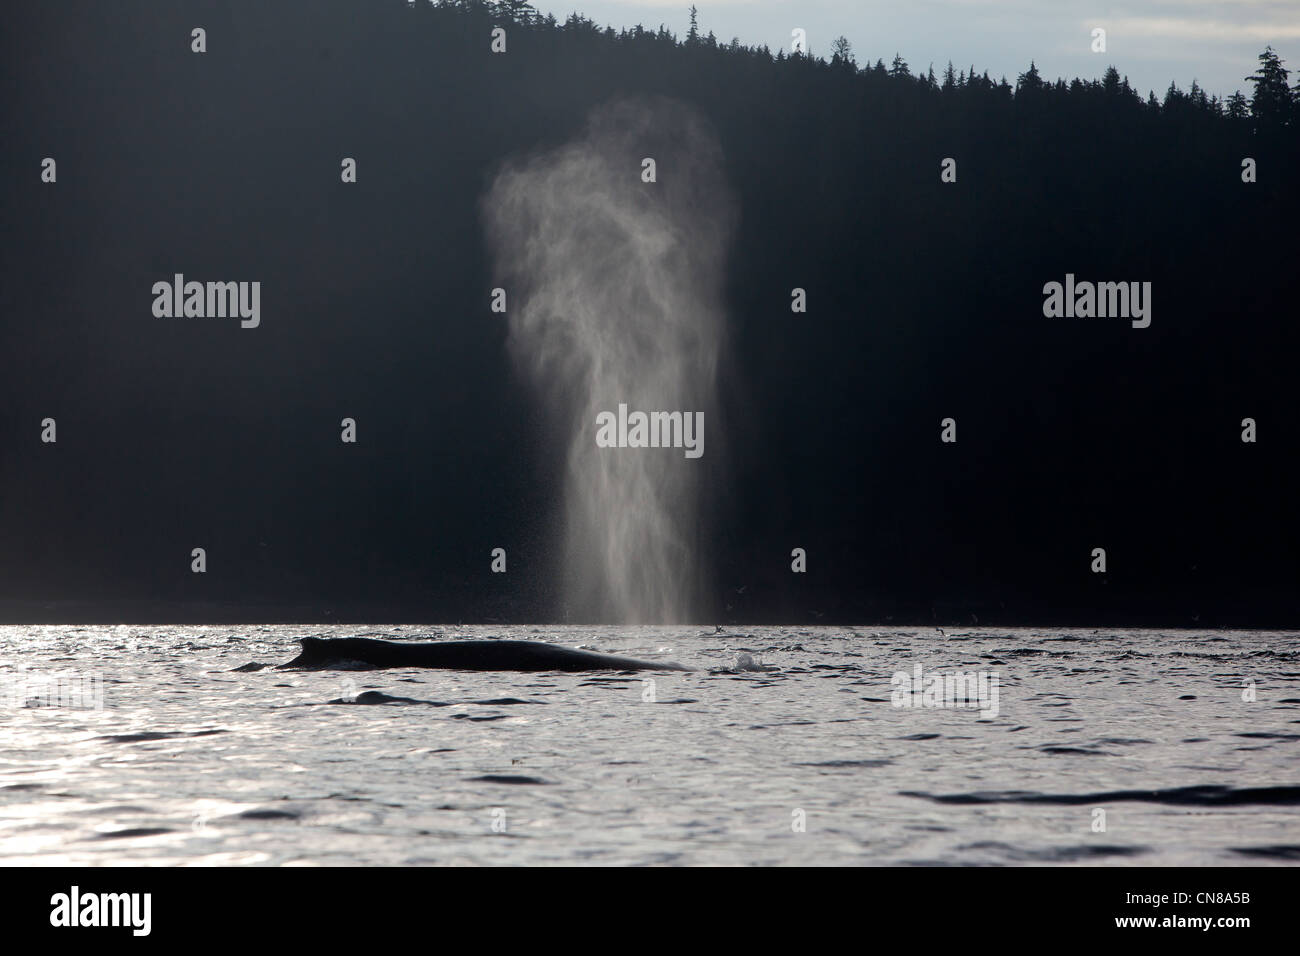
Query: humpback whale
x,y
321,652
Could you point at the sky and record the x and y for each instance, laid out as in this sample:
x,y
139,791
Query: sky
x,y
1150,41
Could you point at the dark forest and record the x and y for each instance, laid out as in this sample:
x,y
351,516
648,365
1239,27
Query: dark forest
x,y
924,301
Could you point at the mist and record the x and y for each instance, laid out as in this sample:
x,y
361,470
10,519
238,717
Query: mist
x,y
614,292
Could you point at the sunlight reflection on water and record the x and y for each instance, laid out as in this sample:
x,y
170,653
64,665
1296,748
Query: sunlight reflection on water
x,y
192,762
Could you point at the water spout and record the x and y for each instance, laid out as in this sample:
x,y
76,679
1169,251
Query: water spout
x,y
614,291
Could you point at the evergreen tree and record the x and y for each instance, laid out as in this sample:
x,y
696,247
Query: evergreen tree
x,y
1271,105
520,11
842,52
1029,81
1110,82
1174,97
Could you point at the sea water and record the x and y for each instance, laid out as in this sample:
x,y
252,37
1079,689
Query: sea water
x,y
786,745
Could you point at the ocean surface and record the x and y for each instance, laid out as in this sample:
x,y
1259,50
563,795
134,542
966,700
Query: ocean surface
x,y
785,746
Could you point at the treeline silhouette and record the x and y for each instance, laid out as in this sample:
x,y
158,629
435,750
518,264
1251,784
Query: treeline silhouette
x,y
1273,105
924,302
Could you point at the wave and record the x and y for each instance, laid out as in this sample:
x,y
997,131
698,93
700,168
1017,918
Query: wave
x,y
1199,796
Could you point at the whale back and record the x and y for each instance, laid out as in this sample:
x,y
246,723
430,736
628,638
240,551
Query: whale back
x,y
489,655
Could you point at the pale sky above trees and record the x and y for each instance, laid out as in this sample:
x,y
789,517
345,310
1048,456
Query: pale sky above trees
x,y
1215,42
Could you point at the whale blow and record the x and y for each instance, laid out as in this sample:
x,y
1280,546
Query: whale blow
x,y
617,284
